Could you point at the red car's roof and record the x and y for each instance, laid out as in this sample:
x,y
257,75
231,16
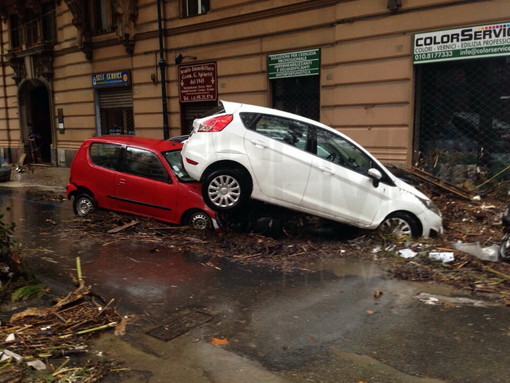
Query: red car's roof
x,y
142,142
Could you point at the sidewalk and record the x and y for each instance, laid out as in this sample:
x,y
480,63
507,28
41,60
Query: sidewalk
x,y
40,176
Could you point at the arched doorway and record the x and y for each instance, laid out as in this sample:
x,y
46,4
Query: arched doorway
x,y
36,128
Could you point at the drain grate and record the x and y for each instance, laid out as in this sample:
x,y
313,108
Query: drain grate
x,y
179,326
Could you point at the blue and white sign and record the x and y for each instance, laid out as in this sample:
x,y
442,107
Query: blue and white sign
x,y
111,79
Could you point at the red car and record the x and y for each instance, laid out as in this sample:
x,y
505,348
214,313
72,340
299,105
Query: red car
x,y
137,175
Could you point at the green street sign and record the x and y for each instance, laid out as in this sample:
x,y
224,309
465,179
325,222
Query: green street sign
x,y
294,64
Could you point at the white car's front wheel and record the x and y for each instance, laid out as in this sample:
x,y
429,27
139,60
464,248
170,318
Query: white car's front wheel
x,y
400,224
225,190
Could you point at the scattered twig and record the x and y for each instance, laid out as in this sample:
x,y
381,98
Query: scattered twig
x,y
503,275
123,227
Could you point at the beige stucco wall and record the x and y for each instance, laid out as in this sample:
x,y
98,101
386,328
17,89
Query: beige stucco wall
x,y
367,75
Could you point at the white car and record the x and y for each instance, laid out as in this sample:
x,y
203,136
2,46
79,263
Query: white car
x,y
242,151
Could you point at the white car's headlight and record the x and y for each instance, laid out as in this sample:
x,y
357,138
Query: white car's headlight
x,y
430,205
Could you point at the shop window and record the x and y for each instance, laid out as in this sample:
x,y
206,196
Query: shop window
x,y
117,121
298,95
194,7
463,120
100,16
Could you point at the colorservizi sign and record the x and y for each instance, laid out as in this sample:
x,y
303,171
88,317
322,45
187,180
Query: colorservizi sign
x,y
462,43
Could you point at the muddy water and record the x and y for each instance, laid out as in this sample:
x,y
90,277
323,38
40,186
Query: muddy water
x,y
325,325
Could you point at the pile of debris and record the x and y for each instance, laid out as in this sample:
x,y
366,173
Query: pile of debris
x,y
460,257
36,344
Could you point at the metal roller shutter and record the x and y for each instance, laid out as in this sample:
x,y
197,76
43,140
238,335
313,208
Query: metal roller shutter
x,y
115,98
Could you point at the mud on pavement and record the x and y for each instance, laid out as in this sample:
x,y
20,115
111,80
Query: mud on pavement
x,y
465,220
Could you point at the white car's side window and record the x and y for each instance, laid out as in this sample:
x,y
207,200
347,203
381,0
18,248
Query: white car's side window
x,y
291,132
335,149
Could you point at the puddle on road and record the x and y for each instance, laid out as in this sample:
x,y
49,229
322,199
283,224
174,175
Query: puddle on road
x,y
139,275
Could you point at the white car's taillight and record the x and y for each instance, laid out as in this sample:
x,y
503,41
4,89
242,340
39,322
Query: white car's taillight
x,y
215,124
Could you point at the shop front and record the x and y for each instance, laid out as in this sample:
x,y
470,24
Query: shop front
x,y
114,103
462,116
295,82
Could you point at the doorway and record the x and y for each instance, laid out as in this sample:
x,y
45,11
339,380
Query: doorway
x,y
41,123
36,128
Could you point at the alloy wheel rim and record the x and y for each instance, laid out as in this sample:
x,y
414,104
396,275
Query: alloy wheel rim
x,y
224,191
84,206
200,221
397,226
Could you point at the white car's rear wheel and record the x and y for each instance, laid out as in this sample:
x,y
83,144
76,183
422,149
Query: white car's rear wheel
x,y
225,190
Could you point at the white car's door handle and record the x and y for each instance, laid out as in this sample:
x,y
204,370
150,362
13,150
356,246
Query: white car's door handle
x,y
259,144
326,170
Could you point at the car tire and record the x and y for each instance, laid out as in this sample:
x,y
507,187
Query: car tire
x,y
198,220
226,189
400,224
83,204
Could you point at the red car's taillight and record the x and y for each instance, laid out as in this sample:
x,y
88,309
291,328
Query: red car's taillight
x,y
215,124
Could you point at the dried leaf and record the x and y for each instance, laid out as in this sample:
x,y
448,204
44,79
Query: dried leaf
x,y
218,341
31,312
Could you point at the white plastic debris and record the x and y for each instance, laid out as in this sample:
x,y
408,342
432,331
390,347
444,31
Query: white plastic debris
x,y
433,299
491,253
37,364
443,256
473,248
10,338
429,300
407,253
6,355
477,198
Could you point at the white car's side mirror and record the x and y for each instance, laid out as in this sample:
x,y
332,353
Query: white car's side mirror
x,y
376,176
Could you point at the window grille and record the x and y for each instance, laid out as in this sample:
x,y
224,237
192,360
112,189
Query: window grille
x,y
298,95
463,120
116,111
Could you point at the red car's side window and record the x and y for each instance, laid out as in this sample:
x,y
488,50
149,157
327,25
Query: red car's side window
x,y
144,163
104,155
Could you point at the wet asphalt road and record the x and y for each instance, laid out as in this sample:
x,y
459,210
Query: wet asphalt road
x,y
324,326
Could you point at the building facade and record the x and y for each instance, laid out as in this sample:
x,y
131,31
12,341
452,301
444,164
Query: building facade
x,y
414,81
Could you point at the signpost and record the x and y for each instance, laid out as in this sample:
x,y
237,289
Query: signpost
x,y
198,83
462,43
294,64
